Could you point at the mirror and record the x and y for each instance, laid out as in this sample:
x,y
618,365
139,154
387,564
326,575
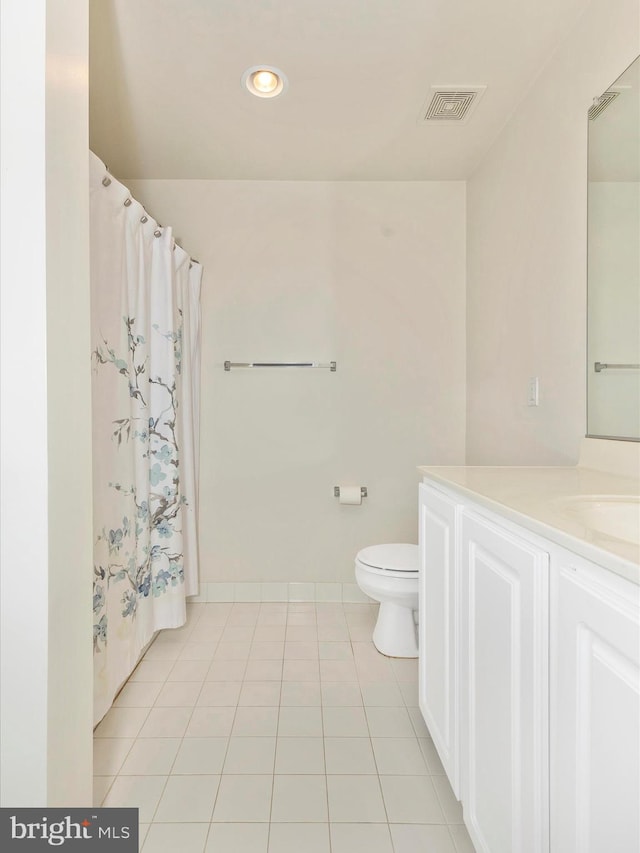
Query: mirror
x,y
613,305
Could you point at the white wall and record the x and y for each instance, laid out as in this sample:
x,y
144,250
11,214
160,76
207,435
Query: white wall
x,y
70,664
370,275
46,667
23,432
526,272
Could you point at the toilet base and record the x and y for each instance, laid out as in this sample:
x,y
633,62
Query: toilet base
x,y
395,633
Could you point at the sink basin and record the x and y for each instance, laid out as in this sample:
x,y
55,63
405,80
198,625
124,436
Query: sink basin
x,y
617,516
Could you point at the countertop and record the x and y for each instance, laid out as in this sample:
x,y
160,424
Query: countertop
x,y
536,497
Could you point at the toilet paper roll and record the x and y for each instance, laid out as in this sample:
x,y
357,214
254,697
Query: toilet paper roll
x,y
350,495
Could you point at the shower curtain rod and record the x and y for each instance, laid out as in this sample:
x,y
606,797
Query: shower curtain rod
x,y
106,182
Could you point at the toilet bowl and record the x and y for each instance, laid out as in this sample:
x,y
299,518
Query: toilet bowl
x,y
389,574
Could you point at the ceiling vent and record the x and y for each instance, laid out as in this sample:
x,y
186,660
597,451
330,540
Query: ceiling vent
x,y
600,104
451,104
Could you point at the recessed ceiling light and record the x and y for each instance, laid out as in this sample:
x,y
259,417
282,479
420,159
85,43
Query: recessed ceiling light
x,y
264,81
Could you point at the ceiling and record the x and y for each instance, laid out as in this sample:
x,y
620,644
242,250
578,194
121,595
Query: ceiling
x,y
166,99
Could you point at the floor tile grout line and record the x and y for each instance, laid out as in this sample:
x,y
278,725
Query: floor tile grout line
x,y
136,738
106,793
395,682
326,775
440,803
149,709
275,753
375,761
226,752
320,682
155,812
122,763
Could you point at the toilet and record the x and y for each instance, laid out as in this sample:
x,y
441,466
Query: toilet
x,y
389,574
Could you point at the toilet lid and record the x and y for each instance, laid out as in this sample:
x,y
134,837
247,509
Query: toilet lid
x,y
397,558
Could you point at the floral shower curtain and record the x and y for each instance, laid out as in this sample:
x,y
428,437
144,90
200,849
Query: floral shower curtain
x,y
145,320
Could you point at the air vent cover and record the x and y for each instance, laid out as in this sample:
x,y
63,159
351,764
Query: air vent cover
x,y
448,104
600,104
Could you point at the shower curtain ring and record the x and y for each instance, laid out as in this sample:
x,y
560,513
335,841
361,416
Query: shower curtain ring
x,y
157,233
127,202
106,181
144,219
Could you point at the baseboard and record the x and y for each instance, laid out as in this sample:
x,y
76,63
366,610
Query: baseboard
x,y
319,592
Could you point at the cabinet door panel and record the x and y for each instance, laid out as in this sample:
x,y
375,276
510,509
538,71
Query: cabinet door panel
x,y
595,711
438,626
504,669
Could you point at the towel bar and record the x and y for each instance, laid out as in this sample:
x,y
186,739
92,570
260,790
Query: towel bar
x,y
233,364
600,366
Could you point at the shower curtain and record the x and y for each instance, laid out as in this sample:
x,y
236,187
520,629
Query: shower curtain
x,y
145,321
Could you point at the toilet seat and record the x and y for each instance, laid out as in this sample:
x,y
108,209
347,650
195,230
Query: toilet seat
x,y
393,560
389,575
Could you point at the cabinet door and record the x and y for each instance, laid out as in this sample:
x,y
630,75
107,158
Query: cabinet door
x,y
595,714
438,668
504,699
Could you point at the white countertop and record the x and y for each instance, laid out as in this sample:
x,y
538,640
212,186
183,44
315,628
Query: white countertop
x,y
534,498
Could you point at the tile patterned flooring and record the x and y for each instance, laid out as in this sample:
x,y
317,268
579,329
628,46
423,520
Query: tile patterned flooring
x,y
276,728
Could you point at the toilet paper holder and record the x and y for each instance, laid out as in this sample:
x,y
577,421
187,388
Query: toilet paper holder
x,y
363,491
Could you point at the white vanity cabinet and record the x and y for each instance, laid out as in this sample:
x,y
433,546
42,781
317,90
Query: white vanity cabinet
x,y
483,670
438,625
595,709
529,681
503,688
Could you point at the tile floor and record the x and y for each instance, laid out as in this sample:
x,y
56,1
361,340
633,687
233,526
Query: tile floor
x,y
276,728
